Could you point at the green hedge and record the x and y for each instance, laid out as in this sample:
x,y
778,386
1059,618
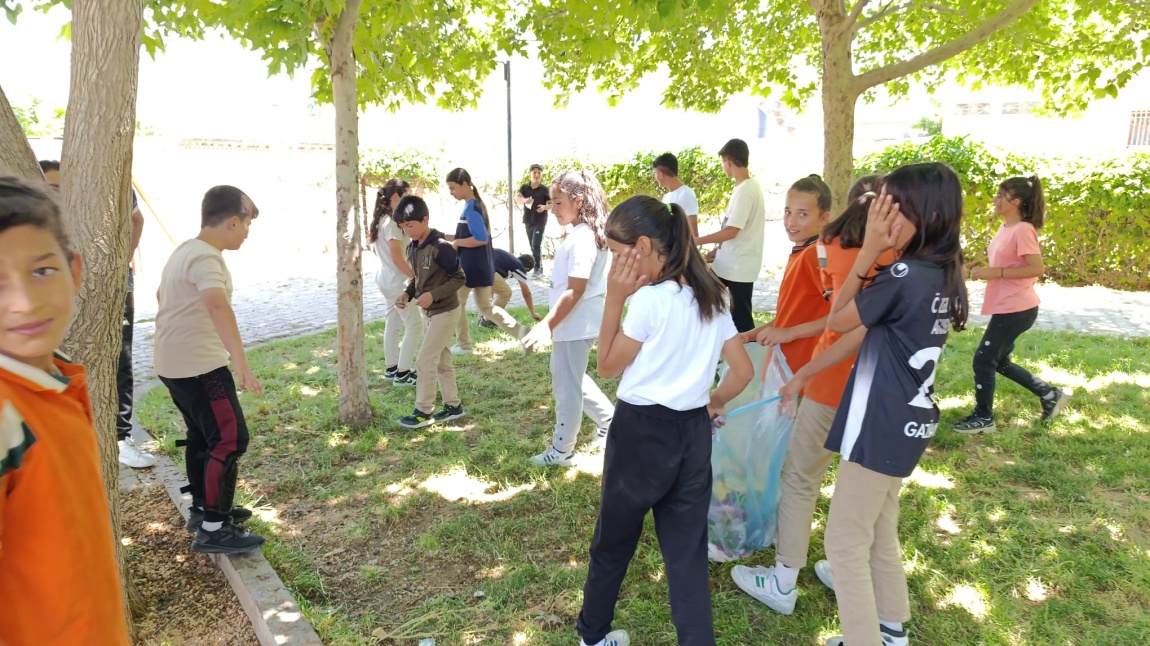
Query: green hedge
x,y
1097,211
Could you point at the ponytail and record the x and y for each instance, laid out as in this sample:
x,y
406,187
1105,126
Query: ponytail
x,y
393,186
461,176
1031,200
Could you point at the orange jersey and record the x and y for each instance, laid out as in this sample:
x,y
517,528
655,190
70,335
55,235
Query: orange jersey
x,y
800,301
58,576
827,387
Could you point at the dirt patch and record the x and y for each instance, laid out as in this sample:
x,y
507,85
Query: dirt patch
x,y
187,599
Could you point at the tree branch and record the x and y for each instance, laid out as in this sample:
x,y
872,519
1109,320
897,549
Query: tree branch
x,y
887,9
856,11
947,50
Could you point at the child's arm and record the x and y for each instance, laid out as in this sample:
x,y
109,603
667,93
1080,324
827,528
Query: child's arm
x,y
395,247
722,235
770,335
1034,268
539,336
475,224
840,351
529,298
882,233
449,261
616,349
739,373
215,299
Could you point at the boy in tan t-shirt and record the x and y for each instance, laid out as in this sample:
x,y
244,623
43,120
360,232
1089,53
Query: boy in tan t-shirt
x,y
196,333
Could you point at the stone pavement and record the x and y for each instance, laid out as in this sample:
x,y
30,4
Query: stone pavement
x,y
301,305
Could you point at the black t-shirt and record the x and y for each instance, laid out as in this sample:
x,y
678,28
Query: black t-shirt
x,y
888,414
539,195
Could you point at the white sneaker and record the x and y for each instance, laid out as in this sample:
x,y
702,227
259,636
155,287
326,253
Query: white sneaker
x,y
553,458
130,456
613,638
889,637
762,584
459,352
599,442
823,571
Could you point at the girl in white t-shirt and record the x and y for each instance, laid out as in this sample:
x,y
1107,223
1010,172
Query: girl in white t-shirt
x,y
389,242
578,283
658,455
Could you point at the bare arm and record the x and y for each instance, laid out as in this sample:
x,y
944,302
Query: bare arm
x,y
616,349
771,335
395,248
566,303
722,235
693,220
529,299
215,299
739,373
137,231
1034,268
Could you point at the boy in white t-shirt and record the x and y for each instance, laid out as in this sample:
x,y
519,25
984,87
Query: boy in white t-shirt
x,y
667,177
196,335
739,257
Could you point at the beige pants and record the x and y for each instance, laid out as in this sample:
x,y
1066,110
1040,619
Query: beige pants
x,y
865,555
803,472
502,291
433,365
487,310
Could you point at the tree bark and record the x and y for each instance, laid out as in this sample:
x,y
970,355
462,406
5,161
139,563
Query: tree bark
x,y
354,405
95,176
839,96
16,156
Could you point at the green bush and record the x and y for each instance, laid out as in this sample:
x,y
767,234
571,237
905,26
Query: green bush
x,y
421,169
1097,211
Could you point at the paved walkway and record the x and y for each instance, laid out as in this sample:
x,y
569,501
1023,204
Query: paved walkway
x,y
300,305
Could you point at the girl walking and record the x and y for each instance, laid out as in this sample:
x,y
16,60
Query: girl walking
x,y
1015,266
473,242
658,455
888,414
389,243
578,285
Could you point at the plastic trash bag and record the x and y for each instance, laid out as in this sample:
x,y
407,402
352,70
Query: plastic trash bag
x,y
747,462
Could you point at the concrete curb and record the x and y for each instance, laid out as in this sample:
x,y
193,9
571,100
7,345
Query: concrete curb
x,y
275,616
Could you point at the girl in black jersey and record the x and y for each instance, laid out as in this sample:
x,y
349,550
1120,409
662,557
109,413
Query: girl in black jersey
x,y
888,413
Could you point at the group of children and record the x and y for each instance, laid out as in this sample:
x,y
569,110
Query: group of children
x,y
865,308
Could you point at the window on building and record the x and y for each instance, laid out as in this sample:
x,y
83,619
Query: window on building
x,y
972,109
1139,128
1019,107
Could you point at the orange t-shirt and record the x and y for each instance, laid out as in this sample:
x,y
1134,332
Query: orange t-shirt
x,y
827,387
800,301
58,576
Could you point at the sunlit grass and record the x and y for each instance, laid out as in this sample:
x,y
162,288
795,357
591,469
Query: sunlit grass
x,y
1033,535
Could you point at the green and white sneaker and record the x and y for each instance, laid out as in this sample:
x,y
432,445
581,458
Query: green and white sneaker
x,y
613,638
889,637
417,419
553,458
763,584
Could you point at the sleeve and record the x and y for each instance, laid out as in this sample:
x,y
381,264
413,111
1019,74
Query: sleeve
x,y
475,222
1026,241
135,200
877,302
519,275
739,210
525,190
643,315
207,272
447,258
727,329
690,202
583,256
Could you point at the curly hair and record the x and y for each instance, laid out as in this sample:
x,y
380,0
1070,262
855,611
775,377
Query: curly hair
x,y
583,186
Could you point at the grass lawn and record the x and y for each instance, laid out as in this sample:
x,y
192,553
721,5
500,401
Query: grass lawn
x,y
1033,535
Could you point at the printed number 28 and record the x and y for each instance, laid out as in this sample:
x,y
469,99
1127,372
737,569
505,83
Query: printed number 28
x,y
918,361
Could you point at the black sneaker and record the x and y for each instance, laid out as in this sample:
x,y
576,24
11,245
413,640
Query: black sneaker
x,y
417,419
487,324
448,413
973,425
196,517
229,539
389,373
405,378
1053,406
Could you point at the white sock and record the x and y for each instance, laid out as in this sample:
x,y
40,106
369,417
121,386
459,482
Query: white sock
x,y
892,625
787,576
212,527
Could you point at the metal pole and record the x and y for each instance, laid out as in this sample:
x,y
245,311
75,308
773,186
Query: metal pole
x,y
510,184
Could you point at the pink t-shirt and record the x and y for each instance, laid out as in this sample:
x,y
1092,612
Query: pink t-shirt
x,y
1009,248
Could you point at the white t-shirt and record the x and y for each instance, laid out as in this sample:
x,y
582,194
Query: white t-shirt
x,y
578,257
676,365
684,196
740,259
388,277
186,342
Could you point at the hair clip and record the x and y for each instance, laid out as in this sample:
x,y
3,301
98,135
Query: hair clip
x,y
671,209
867,196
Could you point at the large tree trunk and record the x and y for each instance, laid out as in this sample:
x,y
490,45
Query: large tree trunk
x,y
16,156
354,405
95,175
839,96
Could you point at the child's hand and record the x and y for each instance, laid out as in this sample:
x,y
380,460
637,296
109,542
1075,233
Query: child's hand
x,y
625,278
538,338
710,257
537,316
246,380
775,336
425,300
789,394
716,411
983,273
404,297
882,228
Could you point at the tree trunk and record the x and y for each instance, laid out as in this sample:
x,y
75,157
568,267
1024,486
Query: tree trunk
x,y
839,95
16,156
354,405
95,175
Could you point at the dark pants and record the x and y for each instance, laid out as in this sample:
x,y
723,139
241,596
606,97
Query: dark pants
x,y
535,239
124,381
993,355
217,437
659,460
741,294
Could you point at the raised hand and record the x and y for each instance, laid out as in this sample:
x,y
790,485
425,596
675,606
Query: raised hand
x,y
625,277
883,227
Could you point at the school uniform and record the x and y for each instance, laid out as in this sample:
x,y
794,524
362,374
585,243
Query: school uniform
x,y
885,422
801,301
658,459
479,267
437,271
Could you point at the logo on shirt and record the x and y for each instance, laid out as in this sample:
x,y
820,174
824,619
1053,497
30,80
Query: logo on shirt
x,y
427,261
899,269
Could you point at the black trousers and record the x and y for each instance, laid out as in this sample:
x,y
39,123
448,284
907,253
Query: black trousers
x,y
124,380
657,459
535,239
741,294
217,437
993,356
